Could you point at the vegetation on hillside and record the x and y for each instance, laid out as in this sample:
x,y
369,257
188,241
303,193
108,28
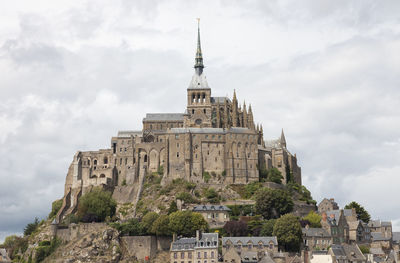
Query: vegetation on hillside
x,y
362,214
313,219
287,229
272,203
96,206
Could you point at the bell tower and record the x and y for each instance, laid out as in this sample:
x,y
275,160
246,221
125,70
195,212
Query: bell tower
x,y
198,93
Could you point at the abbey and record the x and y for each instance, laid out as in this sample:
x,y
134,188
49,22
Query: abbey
x,y
214,141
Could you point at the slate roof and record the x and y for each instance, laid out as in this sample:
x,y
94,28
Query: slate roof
x,y
128,133
221,100
206,240
396,237
163,117
198,82
211,130
211,208
254,240
376,251
249,257
315,232
379,223
349,252
336,213
378,236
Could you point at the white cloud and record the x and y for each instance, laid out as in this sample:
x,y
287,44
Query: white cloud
x,y
76,72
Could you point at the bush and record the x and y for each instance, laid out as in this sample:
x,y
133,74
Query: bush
x,y
45,250
364,249
172,207
268,227
288,231
148,220
160,227
31,227
132,227
186,197
96,206
251,189
14,243
55,207
206,177
211,195
44,243
186,223
124,182
272,203
314,219
160,170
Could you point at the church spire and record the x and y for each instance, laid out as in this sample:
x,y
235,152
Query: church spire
x,y
283,140
199,56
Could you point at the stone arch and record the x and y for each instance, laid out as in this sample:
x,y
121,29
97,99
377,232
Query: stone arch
x,y
153,160
95,162
102,176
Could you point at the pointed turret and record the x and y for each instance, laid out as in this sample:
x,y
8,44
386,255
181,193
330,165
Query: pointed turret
x,y
199,55
245,119
283,140
234,110
218,122
250,118
226,114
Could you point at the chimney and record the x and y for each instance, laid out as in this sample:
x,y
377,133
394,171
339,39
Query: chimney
x,y
174,237
332,199
324,216
198,235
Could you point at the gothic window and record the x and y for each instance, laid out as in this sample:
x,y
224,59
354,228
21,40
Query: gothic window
x,y
204,111
177,145
88,162
105,160
196,156
102,175
126,161
145,158
120,161
95,162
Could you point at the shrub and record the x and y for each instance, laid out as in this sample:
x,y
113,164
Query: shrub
x,y
132,227
45,250
224,173
211,195
271,203
124,182
186,197
364,249
288,231
186,223
96,206
206,177
31,227
148,220
161,226
251,189
172,207
55,207
160,170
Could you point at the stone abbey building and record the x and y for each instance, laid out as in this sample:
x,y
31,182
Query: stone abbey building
x,y
214,141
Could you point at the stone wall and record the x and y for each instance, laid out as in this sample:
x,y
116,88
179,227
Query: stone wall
x,y
76,230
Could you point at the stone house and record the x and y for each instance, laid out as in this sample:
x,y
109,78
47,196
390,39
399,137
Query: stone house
x,y
214,141
378,240
316,238
215,215
385,227
346,253
358,232
335,223
327,205
201,249
242,245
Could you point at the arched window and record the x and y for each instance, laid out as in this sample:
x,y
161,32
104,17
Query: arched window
x,y
145,158
105,160
95,162
102,175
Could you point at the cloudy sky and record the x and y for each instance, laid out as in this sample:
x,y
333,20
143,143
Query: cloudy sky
x,y
73,73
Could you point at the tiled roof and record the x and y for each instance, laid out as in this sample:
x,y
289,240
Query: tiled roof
x,y
378,236
353,225
209,240
376,251
396,237
315,232
163,117
211,208
254,240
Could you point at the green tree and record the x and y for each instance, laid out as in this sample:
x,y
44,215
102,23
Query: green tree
x,y
31,227
362,214
313,218
364,249
236,228
211,195
186,223
274,175
148,221
268,228
172,207
255,225
55,207
96,205
251,189
272,203
132,227
161,226
288,231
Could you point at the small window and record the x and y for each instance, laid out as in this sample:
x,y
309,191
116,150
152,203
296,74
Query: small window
x,y
176,136
177,145
204,111
95,162
213,136
206,136
126,161
105,160
120,161
145,158
177,154
193,111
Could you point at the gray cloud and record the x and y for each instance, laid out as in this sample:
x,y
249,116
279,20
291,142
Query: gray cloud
x,y
325,72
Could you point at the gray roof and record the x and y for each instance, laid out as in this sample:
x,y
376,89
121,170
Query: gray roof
x,y
254,240
378,236
221,100
396,237
210,208
315,232
128,133
376,251
379,223
349,252
198,82
249,257
209,240
163,117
